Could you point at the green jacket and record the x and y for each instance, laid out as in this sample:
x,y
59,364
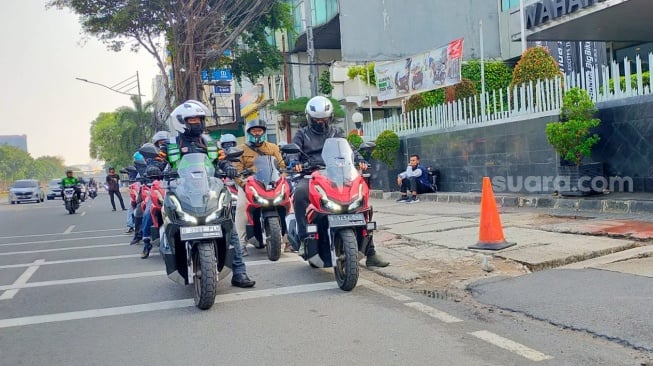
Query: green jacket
x,y
67,182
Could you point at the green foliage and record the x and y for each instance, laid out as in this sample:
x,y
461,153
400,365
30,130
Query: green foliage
x,y
416,101
535,64
433,97
355,140
572,138
297,107
387,146
115,136
646,81
17,164
325,86
196,32
465,89
362,72
497,74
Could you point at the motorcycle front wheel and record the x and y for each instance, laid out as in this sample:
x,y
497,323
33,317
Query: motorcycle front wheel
x,y
346,266
205,275
273,236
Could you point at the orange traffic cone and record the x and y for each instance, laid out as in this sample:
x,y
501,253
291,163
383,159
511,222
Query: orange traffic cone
x,y
491,231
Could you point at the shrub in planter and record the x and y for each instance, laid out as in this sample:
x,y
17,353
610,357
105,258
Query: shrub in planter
x,y
387,146
536,63
571,137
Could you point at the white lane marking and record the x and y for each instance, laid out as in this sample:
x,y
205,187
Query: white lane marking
x,y
67,231
511,346
83,213
29,272
384,291
163,305
91,259
52,234
62,249
58,240
83,280
433,312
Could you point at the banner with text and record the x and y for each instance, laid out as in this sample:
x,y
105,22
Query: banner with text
x,y
419,73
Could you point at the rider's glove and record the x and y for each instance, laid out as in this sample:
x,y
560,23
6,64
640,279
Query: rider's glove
x,y
231,171
292,164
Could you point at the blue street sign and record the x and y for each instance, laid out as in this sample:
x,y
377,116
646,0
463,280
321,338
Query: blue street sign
x,y
222,89
222,74
218,74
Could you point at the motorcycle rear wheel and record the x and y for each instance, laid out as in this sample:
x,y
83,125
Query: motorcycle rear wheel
x,y
273,236
205,275
346,266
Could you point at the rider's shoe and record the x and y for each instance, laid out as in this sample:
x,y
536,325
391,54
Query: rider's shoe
x,y
241,280
376,261
146,249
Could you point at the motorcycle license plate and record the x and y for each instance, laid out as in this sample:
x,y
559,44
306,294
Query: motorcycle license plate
x,y
346,220
200,232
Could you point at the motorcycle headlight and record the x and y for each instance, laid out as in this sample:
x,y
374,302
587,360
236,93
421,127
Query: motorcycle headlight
x,y
279,199
359,201
190,219
326,202
223,201
258,199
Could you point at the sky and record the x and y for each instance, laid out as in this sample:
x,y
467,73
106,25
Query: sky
x,y
42,53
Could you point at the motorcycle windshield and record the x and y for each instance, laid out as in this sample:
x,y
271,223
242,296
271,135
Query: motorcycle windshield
x,y
267,170
339,162
196,187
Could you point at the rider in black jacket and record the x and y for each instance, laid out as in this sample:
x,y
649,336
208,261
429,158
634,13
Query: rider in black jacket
x,y
310,139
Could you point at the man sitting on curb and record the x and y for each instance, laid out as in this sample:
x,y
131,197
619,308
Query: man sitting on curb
x,y
415,179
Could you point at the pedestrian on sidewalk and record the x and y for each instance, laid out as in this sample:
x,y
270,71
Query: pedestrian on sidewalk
x,y
414,179
113,182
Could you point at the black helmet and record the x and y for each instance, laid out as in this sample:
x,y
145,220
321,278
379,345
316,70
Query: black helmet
x,y
149,151
256,140
153,172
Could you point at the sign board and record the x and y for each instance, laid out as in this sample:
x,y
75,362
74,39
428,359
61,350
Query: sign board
x,y
222,89
419,73
216,74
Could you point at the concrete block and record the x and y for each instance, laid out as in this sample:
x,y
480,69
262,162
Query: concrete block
x,y
641,206
590,205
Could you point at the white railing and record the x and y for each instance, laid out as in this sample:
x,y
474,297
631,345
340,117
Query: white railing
x,y
542,98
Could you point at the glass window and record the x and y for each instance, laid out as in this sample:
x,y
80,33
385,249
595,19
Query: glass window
x,y
509,4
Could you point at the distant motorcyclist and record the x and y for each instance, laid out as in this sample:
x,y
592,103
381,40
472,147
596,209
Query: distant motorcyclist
x,y
227,141
70,181
310,139
188,120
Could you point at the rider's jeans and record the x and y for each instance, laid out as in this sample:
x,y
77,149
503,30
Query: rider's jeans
x,y
241,217
130,217
237,265
147,221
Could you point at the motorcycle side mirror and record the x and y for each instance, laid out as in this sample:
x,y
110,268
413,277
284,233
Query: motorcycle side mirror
x,y
367,146
290,149
234,153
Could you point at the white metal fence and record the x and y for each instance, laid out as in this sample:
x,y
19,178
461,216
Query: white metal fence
x,y
531,100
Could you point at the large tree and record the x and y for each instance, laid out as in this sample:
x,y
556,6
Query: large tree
x,y
117,135
196,32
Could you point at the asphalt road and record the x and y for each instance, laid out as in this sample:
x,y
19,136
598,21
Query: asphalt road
x,y
72,292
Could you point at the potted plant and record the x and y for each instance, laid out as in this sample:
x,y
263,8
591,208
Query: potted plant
x,y
573,140
384,155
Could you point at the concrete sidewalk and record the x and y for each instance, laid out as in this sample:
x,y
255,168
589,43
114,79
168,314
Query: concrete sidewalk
x,y
442,231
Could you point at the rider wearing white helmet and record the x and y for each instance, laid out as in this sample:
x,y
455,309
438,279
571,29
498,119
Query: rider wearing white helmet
x,y
310,139
188,120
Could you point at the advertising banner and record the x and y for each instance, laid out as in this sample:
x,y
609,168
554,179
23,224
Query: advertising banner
x,y
419,73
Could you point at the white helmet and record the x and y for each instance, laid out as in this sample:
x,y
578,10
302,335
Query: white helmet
x,y
228,140
319,108
160,135
189,108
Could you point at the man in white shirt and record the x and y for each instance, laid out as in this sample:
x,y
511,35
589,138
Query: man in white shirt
x,y
414,178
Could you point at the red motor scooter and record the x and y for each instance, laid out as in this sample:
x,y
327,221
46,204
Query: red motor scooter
x,y
268,203
339,218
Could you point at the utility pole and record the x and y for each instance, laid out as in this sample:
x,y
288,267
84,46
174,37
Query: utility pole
x,y
522,26
310,49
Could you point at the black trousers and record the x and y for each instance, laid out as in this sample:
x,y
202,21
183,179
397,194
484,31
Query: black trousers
x,y
300,204
113,204
412,184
